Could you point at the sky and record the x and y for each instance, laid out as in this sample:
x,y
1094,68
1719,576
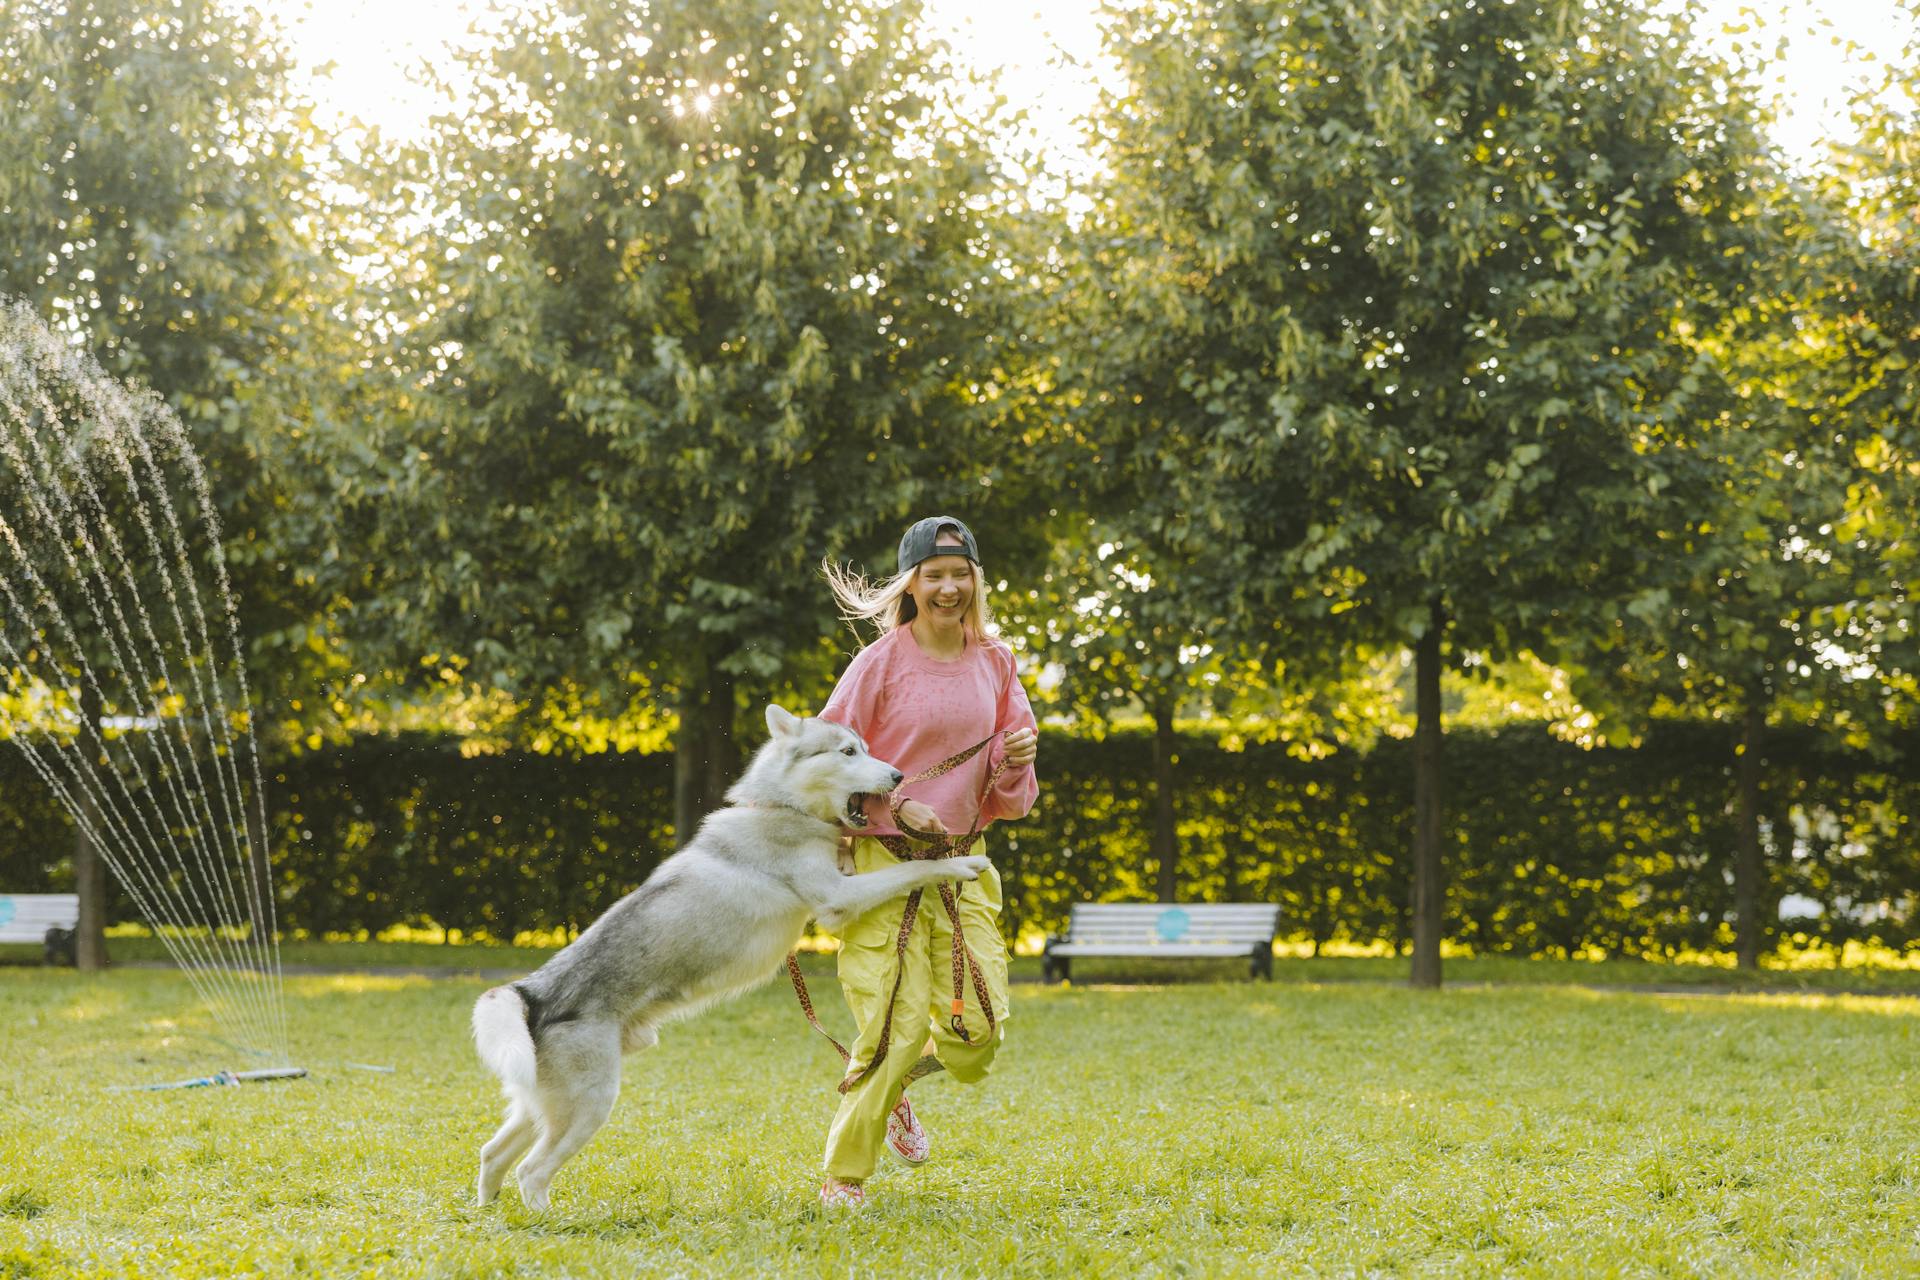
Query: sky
x,y
1047,55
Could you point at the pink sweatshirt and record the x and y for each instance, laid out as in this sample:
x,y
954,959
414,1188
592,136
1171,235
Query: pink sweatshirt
x,y
915,711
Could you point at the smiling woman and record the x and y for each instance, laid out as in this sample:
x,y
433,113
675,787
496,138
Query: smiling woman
x,y
928,695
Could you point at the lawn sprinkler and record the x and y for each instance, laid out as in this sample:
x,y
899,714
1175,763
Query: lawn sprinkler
x,y
229,1077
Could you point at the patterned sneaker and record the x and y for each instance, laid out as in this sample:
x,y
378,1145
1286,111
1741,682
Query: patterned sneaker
x,y
844,1195
905,1138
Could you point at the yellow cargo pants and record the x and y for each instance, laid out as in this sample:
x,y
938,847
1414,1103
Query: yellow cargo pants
x,y
926,997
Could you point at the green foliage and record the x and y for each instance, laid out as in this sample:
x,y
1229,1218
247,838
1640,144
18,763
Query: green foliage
x,y
160,199
1556,850
409,831
1879,178
1776,577
1112,634
1380,306
152,180
706,292
1871,307
1385,305
1398,322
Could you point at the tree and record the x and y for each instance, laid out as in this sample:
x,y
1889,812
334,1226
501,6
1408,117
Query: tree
x,y
158,203
1778,593
1774,567
1877,180
165,204
706,292
1399,285
1115,640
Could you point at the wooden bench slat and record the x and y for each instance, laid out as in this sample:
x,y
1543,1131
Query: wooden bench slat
x,y
1147,922
1146,927
1182,935
1152,926
1144,921
1155,908
1230,951
1154,944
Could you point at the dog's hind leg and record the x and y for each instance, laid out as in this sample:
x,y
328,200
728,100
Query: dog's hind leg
x,y
579,1080
504,1148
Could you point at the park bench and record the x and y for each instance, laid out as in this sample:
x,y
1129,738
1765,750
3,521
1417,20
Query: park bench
x,y
1165,929
46,918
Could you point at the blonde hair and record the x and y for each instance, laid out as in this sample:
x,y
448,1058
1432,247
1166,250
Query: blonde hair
x,y
888,602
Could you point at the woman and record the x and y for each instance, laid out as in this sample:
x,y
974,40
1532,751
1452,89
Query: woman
x,y
933,684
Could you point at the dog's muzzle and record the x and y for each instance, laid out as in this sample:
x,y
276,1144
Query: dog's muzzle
x,y
856,810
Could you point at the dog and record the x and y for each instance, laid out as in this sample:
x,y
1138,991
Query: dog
x,y
713,920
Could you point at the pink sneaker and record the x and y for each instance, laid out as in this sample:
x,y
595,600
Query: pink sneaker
x,y
905,1138
843,1195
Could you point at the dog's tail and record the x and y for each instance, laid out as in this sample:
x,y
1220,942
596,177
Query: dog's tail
x,y
500,1034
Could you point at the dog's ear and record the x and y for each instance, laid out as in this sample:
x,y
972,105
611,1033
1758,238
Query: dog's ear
x,y
781,721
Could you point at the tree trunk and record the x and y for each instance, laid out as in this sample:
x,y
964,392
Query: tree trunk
x,y
1747,924
723,752
1166,850
1429,880
689,777
89,868
705,757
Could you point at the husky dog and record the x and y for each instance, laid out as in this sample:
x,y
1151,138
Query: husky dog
x,y
714,919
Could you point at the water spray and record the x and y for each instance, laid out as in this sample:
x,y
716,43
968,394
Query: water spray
x,y
130,698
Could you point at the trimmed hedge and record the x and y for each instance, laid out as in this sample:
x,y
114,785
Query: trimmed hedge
x,y
1552,849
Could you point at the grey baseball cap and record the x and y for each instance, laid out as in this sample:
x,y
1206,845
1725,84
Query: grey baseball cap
x,y
918,543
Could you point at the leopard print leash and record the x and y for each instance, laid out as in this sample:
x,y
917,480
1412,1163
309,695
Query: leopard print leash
x,y
922,845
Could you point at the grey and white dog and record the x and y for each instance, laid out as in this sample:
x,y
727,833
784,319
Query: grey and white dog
x,y
714,919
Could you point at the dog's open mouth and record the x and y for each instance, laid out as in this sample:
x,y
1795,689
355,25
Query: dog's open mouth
x,y
857,809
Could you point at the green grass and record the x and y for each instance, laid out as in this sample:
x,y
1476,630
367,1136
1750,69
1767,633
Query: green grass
x,y
1198,1129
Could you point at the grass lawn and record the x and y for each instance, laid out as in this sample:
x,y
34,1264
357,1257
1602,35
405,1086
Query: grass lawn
x,y
1203,1128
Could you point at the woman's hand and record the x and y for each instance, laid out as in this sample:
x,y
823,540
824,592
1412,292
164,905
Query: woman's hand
x,y
921,818
1022,746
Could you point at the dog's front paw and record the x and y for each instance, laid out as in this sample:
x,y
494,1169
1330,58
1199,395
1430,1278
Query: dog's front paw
x,y
971,867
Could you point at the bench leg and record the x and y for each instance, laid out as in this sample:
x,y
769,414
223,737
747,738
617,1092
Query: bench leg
x,y
1263,962
62,947
1055,968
